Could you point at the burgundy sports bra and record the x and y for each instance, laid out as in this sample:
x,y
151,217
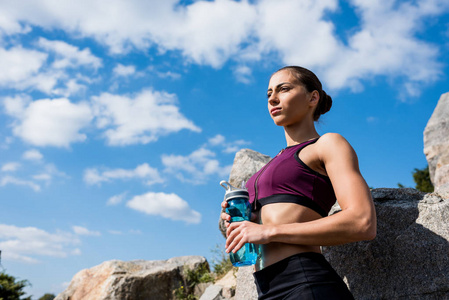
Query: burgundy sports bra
x,y
286,178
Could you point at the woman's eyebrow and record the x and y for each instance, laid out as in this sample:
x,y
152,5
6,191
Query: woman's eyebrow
x,y
279,85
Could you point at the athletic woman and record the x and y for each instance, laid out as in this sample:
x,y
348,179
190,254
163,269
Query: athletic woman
x,y
293,194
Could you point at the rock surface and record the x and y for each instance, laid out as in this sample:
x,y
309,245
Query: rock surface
x,y
223,289
133,280
409,257
436,142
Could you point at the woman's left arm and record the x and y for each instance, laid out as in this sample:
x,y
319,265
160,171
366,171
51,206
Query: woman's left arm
x,y
355,222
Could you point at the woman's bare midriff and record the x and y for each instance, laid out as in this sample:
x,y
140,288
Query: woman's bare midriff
x,y
284,213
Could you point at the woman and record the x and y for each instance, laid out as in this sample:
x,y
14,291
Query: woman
x,y
293,193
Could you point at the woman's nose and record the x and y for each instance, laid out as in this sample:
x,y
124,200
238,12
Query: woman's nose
x,y
273,99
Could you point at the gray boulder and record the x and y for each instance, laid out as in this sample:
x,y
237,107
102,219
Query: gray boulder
x,y
133,280
436,142
409,257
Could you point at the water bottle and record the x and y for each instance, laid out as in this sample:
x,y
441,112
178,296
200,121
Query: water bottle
x,y
239,209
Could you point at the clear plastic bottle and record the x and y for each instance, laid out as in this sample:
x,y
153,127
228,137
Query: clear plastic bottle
x,y
239,209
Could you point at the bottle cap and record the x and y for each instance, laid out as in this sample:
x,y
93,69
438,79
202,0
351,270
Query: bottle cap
x,y
233,192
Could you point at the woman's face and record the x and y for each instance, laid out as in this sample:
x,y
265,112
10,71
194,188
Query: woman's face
x,y
289,102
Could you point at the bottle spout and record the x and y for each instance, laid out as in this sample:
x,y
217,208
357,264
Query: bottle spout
x,y
227,186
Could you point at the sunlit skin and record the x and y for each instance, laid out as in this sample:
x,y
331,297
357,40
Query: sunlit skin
x,y
284,229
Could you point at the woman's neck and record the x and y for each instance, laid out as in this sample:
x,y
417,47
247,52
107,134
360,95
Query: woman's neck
x,y
298,133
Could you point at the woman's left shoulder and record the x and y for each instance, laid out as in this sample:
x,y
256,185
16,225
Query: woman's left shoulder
x,y
333,144
332,138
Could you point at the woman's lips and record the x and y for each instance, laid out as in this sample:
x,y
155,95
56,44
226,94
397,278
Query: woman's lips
x,y
275,111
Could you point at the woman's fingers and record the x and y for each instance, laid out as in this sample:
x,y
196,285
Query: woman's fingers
x,y
235,239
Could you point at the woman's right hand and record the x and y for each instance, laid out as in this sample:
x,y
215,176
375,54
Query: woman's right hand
x,y
226,217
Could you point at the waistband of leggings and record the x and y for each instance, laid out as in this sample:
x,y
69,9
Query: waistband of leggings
x,y
280,265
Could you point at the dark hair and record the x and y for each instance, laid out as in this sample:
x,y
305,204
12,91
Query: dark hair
x,y
311,83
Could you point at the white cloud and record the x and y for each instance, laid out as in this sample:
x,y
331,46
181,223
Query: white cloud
x,y
142,119
296,31
121,70
19,65
25,243
243,74
69,56
42,177
169,74
79,230
386,41
169,206
26,68
10,167
116,199
48,172
48,122
196,167
194,30
386,45
143,171
33,155
226,147
7,180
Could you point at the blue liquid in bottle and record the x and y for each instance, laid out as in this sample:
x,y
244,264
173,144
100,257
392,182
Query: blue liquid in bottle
x,y
239,209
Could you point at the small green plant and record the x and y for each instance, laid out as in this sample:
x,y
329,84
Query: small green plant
x,y
182,294
200,275
47,297
422,180
192,278
221,262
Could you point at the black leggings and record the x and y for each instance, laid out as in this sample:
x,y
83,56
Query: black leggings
x,y
303,276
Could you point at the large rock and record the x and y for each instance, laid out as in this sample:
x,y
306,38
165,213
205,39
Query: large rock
x,y
409,257
436,142
133,280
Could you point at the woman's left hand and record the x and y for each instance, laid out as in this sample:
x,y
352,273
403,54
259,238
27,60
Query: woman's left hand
x,y
239,233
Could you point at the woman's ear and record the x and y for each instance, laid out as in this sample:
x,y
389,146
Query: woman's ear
x,y
315,98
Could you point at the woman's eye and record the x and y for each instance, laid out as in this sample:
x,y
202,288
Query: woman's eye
x,y
269,95
284,88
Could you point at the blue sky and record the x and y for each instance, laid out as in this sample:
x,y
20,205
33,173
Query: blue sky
x,y
118,121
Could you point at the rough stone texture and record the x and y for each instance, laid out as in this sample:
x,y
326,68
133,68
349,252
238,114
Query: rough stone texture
x,y
409,257
246,288
229,283
246,163
213,292
443,191
436,142
133,280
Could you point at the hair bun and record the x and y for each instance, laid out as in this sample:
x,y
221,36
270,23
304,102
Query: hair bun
x,y
326,103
